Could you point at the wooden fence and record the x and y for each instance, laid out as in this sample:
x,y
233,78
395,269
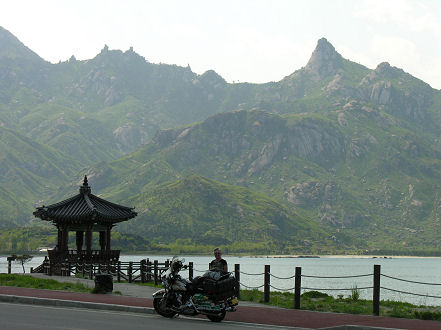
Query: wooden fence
x,y
296,280
142,271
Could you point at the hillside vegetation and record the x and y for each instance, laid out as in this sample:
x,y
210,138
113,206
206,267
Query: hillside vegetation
x,y
345,157
196,211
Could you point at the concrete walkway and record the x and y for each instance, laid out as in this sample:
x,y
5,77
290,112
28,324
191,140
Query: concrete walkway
x,y
126,289
137,298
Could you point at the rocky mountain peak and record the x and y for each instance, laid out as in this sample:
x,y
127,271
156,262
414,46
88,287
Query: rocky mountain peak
x,y
11,47
212,77
385,70
324,60
383,67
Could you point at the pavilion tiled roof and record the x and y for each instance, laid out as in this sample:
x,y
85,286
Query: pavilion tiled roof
x,y
84,208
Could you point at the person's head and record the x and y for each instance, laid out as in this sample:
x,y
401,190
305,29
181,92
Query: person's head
x,y
217,253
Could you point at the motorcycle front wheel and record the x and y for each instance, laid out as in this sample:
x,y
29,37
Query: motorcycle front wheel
x,y
217,317
161,309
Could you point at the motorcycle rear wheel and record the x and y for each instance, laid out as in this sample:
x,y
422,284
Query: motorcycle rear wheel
x,y
217,317
159,305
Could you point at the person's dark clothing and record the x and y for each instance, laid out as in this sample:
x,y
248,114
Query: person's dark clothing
x,y
218,265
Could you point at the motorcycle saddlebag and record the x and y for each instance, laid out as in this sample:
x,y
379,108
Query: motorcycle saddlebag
x,y
221,289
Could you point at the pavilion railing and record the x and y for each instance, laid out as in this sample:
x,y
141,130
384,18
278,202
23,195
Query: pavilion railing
x,y
143,271
95,256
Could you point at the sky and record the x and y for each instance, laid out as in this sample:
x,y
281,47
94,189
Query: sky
x,y
242,40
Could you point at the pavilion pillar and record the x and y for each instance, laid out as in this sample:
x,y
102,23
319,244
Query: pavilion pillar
x,y
79,241
102,240
89,240
65,238
108,230
59,238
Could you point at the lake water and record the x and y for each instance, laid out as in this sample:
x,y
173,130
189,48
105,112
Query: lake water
x,y
427,270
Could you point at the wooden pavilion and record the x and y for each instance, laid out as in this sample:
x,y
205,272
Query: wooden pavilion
x,y
84,213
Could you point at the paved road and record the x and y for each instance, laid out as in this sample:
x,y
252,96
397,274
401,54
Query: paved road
x,y
23,317
137,299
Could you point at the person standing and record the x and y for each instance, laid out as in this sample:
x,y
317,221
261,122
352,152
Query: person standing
x,y
218,264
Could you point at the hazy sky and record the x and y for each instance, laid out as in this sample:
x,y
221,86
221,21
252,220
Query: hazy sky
x,y
242,40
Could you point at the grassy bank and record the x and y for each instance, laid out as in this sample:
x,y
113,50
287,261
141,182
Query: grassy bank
x,y
319,301
26,281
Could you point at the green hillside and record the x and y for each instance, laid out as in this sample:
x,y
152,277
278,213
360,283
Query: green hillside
x,y
367,183
194,212
29,171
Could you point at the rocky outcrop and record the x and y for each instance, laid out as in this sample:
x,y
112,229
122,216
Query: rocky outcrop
x,y
266,155
102,85
256,139
328,199
316,140
127,138
389,87
324,61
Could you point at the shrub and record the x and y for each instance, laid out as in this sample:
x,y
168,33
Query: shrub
x,y
355,293
314,294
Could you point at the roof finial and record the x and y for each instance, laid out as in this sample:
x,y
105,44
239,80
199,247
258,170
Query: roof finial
x,y
85,189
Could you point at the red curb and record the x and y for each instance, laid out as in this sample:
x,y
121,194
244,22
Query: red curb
x,y
260,315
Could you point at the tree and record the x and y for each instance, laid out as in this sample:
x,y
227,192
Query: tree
x,y
22,259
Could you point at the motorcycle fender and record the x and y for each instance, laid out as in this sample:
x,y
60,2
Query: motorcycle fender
x,y
159,293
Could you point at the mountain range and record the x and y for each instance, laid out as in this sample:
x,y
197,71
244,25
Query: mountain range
x,y
335,157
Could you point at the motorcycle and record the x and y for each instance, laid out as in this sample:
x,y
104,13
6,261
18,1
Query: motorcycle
x,y
212,294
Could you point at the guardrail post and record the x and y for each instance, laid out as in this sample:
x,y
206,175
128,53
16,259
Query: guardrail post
x,y
266,284
376,294
118,270
129,271
297,287
91,271
68,268
190,270
149,270
142,271
155,271
9,266
237,276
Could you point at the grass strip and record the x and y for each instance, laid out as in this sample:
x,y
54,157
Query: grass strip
x,y
319,301
26,281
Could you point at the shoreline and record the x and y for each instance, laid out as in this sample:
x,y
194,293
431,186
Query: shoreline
x,y
275,256
351,256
